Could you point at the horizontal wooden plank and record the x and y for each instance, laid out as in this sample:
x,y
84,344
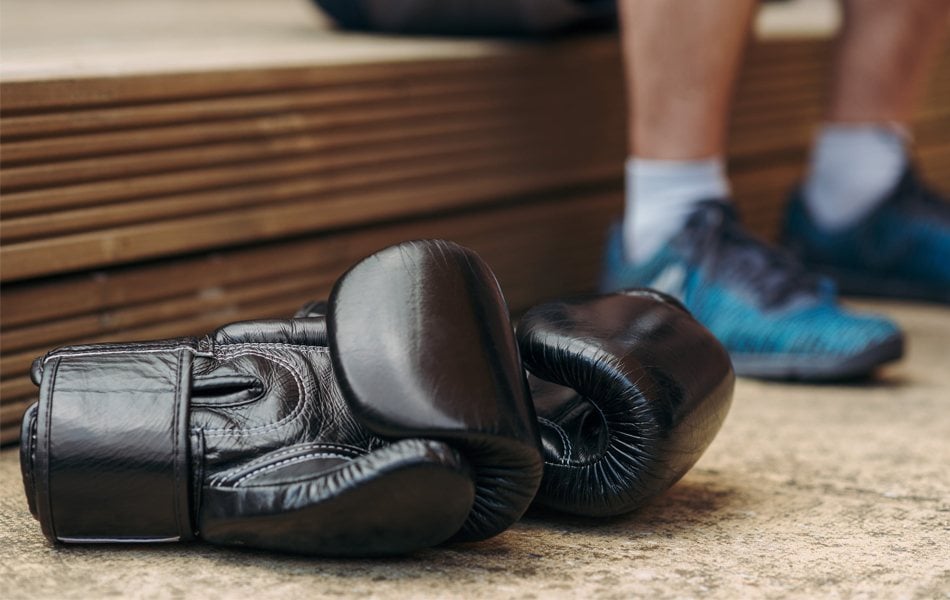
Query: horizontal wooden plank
x,y
12,409
383,164
47,91
199,120
9,434
25,96
13,391
333,211
495,98
260,223
408,171
143,186
761,138
95,325
39,301
445,109
193,112
498,125
767,139
562,235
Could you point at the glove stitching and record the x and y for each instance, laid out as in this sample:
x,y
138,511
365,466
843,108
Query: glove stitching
x,y
608,449
225,347
176,467
140,348
48,417
198,469
609,446
303,391
122,350
569,449
562,378
286,462
32,474
269,457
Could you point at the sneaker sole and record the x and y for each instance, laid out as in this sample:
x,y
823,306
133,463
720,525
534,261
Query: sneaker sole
x,y
819,368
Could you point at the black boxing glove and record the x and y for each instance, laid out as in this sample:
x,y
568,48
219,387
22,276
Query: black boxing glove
x,y
422,343
248,437
629,390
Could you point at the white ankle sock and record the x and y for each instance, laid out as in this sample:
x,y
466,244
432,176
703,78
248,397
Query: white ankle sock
x,y
852,169
660,196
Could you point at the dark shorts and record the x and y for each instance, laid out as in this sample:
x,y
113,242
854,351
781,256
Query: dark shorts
x,y
471,17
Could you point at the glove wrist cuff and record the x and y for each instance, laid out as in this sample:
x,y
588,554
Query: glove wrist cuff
x,y
106,453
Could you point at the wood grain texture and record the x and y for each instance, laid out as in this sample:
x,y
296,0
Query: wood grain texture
x,y
170,166
190,295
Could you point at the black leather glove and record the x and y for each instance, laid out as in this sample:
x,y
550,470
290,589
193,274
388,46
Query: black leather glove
x,y
629,390
399,421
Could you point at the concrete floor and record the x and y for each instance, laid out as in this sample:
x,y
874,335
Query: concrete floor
x,y
832,491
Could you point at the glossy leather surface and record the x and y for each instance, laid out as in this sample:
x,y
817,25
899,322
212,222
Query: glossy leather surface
x,y
629,389
275,458
144,463
442,363
276,455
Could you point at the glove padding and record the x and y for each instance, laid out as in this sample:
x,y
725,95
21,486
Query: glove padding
x,y
247,437
423,345
508,468
629,390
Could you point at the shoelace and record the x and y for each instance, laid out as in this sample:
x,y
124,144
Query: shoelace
x,y
773,276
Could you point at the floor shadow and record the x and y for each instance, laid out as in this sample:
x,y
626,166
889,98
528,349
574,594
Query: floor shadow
x,y
692,503
697,502
887,379
701,501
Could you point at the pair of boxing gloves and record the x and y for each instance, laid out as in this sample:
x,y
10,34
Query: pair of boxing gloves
x,y
395,416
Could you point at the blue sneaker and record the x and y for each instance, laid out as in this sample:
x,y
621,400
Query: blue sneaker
x,y
777,320
901,249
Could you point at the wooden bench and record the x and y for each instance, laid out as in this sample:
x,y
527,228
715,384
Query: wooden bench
x,y
170,166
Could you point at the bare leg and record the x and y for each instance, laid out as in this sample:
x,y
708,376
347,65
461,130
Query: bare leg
x,y
681,59
886,50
